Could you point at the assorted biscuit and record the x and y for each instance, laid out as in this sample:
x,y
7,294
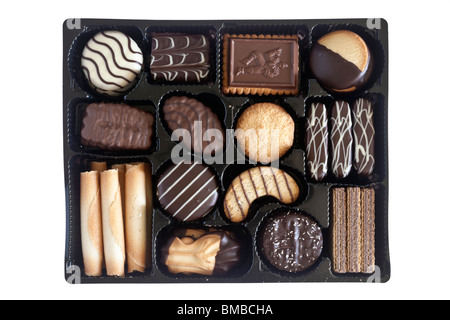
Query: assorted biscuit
x,y
257,183
226,152
265,132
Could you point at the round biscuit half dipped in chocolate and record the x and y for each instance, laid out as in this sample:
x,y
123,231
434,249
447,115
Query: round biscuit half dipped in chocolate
x,y
341,61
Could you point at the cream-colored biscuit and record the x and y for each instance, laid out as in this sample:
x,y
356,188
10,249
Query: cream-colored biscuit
x,y
265,132
91,223
256,183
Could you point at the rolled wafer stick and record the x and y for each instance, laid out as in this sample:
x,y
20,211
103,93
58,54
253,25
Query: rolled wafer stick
x,y
112,221
98,166
91,223
136,216
121,168
149,210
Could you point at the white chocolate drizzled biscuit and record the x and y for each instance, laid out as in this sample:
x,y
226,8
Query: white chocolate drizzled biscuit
x,y
111,62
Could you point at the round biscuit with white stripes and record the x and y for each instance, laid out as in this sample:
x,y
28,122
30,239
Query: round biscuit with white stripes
x,y
187,192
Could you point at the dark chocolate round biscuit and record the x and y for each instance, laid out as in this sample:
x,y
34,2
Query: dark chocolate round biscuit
x,y
291,241
205,130
187,192
341,61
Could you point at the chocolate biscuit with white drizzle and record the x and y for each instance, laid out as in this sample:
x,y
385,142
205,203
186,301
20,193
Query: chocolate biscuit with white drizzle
x,y
341,139
317,141
364,137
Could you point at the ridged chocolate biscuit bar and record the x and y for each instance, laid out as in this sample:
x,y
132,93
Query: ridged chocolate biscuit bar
x,y
117,126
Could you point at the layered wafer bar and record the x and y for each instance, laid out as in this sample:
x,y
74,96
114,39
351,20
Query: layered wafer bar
x,y
339,230
353,232
368,230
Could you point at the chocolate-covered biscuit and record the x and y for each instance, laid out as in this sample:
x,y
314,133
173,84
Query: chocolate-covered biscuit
x,y
291,241
317,141
260,64
201,251
116,126
111,62
201,123
187,192
180,58
341,139
364,137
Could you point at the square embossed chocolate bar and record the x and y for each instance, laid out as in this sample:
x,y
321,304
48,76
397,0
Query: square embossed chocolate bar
x,y
260,64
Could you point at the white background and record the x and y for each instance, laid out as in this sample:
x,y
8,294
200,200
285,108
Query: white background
x,y
32,203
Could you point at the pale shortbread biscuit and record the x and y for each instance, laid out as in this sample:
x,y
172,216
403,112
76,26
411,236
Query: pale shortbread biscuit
x,y
265,132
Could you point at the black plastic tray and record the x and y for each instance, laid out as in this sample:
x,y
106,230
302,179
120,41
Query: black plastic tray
x,y
147,95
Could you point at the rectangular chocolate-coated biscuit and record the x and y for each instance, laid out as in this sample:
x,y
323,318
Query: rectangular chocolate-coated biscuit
x,y
260,64
364,137
317,141
117,126
341,139
339,230
177,57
